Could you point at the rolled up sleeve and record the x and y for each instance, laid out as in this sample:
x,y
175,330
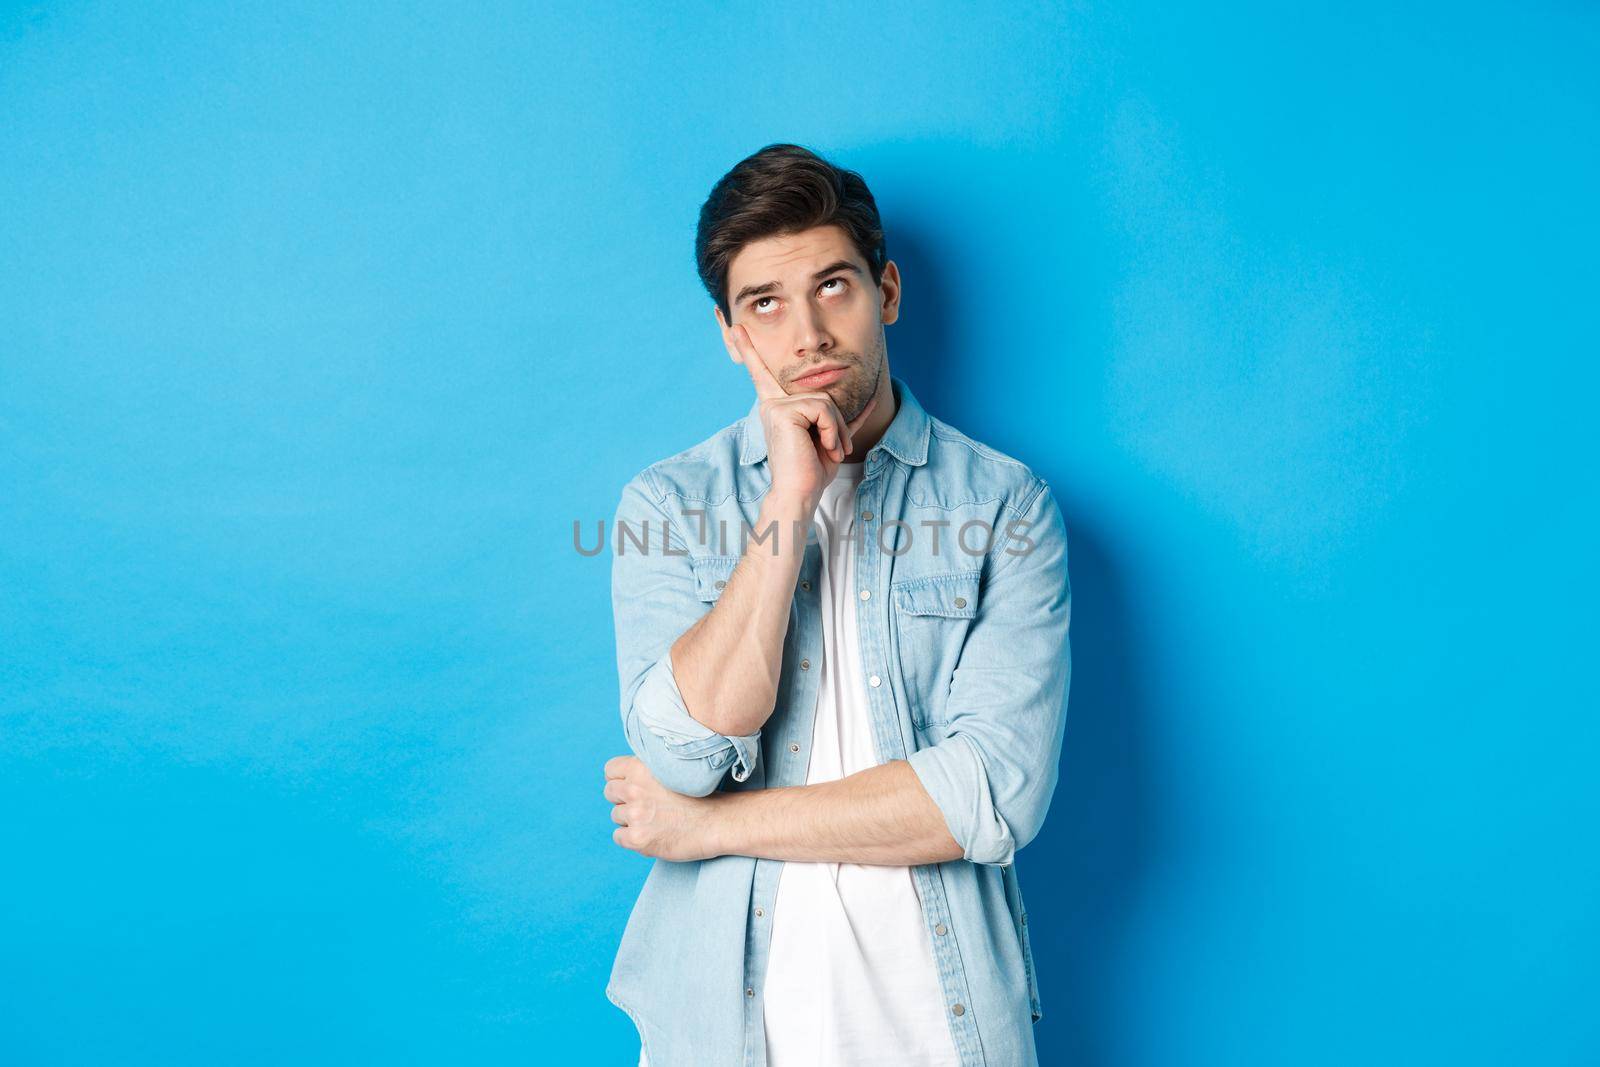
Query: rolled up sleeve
x,y
994,772
654,600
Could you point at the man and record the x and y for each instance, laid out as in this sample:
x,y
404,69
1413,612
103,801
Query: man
x,y
842,643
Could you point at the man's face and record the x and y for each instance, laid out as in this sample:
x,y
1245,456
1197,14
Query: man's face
x,y
808,303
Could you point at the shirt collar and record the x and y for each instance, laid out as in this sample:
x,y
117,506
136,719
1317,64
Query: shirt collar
x,y
906,438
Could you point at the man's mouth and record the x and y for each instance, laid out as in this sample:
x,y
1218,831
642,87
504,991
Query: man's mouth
x,y
824,375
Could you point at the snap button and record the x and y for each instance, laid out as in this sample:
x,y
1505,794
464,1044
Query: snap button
x,y
961,601
805,665
866,594
956,1009
749,992
720,583
866,516
941,930
794,746
759,913
805,583
874,681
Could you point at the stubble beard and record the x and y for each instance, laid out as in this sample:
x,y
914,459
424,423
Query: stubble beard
x,y
857,392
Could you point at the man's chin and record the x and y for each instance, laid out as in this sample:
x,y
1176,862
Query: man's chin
x,y
844,389
853,412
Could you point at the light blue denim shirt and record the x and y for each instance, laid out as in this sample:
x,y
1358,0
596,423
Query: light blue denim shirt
x,y
963,610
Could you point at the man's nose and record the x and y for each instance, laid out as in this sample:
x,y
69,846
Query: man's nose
x,y
813,336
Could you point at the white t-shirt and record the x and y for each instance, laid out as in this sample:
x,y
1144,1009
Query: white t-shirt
x,y
850,973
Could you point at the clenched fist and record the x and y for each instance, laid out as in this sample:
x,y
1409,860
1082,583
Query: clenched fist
x,y
652,819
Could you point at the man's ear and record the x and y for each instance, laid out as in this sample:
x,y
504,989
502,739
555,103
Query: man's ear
x,y
727,336
890,284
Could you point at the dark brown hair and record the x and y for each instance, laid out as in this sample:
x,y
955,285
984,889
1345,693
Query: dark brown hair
x,y
782,189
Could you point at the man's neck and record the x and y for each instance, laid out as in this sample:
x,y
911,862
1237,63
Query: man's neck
x,y
877,424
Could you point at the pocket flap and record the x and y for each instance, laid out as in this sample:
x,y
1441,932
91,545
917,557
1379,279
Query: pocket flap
x,y
711,575
952,595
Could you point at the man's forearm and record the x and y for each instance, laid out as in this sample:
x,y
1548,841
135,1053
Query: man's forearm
x,y
878,815
727,665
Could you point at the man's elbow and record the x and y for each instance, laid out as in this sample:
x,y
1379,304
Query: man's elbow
x,y
691,776
992,846
998,843
989,822
986,836
721,714
1024,814
688,779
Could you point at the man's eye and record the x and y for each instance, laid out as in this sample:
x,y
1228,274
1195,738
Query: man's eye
x,y
760,300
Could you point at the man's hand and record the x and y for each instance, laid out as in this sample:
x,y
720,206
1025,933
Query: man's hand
x,y
879,815
655,821
802,463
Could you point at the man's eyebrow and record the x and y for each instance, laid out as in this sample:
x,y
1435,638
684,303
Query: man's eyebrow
x,y
772,287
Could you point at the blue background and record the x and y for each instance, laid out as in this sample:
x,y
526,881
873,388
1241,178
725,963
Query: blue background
x,y
319,329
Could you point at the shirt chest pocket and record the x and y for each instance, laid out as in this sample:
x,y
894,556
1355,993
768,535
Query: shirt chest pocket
x,y
931,616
